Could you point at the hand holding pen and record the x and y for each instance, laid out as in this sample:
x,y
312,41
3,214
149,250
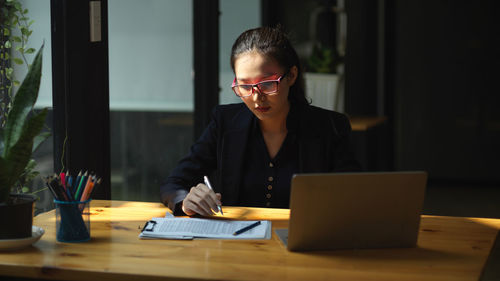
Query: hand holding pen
x,y
207,182
202,200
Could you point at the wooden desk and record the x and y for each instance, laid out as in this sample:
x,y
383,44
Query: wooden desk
x,y
449,248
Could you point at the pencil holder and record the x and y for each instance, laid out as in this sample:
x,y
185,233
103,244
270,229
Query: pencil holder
x,y
72,221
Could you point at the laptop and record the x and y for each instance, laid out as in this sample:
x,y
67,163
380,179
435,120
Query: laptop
x,y
354,210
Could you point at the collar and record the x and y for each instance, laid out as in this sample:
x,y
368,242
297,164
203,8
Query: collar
x,y
292,120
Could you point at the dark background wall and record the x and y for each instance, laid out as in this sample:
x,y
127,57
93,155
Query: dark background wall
x,y
430,67
446,98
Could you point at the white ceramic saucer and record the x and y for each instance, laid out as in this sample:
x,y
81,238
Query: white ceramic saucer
x,y
14,244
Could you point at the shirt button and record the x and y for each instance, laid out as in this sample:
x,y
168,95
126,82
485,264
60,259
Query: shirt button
x,y
270,178
268,204
268,196
271,164
269,187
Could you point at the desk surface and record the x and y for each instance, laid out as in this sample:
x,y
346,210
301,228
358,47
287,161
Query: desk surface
x,y
449,248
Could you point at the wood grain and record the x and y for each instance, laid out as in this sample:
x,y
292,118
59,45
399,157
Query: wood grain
x,y
449,248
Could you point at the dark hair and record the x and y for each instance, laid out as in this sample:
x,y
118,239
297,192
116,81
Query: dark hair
x,y
274,43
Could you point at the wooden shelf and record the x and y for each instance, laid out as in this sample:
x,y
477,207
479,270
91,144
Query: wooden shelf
x,y
363,123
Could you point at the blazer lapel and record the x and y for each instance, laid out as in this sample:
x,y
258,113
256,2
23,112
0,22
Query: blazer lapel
x,y
234,142
313,149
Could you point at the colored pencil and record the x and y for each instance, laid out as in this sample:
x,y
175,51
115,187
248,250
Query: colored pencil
x,y
77,180
63,179
86,190
50,188
79,189
61,195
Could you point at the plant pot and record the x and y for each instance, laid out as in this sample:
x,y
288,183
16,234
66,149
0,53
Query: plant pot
x,y
324,91
16,216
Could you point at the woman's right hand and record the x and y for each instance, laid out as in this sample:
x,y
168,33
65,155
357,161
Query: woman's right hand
x,y
201,200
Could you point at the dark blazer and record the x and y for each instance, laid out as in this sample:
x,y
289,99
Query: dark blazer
x,y
322,135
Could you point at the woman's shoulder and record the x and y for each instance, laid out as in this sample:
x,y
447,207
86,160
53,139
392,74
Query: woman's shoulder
x,y
321,113
324,120
225,111
232,115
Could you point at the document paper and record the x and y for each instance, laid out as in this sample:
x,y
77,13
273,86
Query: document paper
x,y
189,228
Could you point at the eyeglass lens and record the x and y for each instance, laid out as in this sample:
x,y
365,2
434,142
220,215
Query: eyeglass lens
x,y
266,87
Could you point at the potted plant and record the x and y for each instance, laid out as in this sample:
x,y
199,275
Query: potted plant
x,y
324,75
323,83
20,136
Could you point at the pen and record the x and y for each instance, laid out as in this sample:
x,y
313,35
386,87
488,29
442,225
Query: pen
x,y
246,228
205,178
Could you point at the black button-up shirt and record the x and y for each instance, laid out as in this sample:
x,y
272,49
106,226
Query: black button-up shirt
x,y
266,181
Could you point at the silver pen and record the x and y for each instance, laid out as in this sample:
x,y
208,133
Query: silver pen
x,y
207,183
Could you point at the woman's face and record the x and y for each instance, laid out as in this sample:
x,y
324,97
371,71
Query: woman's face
x,y
251,68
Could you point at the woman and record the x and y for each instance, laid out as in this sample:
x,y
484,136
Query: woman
x,y
253,148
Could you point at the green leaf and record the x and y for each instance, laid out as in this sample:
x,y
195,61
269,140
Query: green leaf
x,y
30,51
25,189
25,11
24,30
16,83
16,39
32,175
18,61
23,102
6,31
7,44
31,22
7,56
39,140
31,165
19,155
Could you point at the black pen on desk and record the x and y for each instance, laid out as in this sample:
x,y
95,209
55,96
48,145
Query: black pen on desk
x,y
207,183
246,228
